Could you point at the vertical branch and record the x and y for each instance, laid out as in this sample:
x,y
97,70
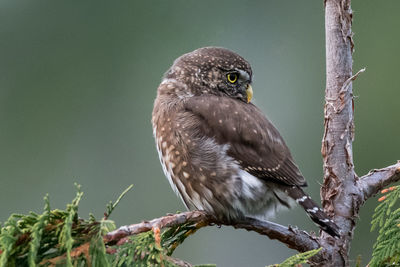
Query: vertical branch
x,y
339,198
338,115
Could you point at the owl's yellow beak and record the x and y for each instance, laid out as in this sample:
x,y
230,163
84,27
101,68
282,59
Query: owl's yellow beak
x,y
249,93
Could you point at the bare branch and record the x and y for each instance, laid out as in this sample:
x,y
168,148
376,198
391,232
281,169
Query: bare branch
x,y
292,237
371,183
342,192
162,222
338,193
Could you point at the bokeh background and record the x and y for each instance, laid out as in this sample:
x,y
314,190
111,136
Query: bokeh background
x,y
78,79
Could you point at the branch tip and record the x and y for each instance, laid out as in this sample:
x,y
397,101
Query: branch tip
x,y
377,179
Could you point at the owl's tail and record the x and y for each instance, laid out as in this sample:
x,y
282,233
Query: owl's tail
x,y
314,211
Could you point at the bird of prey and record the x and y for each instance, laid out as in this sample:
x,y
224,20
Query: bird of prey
x,y
218,150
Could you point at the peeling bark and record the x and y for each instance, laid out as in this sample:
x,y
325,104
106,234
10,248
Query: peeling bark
x,y
338,195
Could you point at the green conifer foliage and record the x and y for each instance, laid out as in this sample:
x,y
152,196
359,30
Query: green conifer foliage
x,y
61,238
387,219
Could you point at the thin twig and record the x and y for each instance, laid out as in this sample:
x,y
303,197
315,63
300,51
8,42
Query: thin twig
x,y
346,84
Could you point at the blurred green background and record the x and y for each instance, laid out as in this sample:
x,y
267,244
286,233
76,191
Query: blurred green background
x,y
78,80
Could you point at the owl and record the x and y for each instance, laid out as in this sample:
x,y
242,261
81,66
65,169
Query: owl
x,y
218,151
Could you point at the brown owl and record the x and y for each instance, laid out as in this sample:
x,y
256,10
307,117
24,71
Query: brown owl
x,y
217,149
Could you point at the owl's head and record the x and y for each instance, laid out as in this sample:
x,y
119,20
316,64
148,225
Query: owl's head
x,y
213,70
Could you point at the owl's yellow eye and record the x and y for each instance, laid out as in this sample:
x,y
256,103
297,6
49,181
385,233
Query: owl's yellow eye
x,y
232,77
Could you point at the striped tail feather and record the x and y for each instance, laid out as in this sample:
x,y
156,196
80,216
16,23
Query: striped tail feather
x,y
314,211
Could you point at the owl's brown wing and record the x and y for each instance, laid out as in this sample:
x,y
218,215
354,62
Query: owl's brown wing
x,y
253,141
